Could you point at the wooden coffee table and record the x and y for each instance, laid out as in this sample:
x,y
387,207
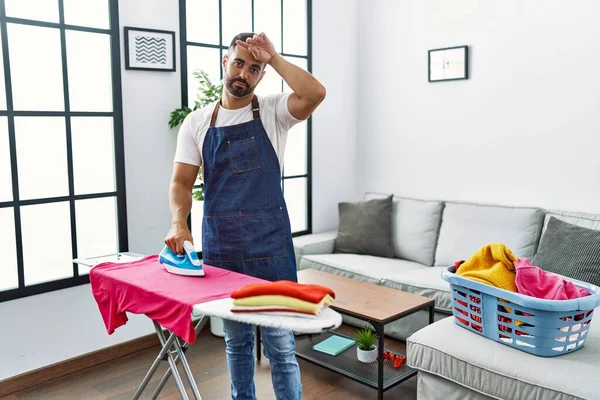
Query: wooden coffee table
x,y
377,305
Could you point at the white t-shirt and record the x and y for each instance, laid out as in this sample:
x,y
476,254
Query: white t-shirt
x,y
274,114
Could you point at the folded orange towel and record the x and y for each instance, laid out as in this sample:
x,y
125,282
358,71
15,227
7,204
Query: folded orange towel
x,y
306,292
492,264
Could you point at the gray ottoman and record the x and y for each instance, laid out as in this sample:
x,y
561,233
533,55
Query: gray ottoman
x,y
454,363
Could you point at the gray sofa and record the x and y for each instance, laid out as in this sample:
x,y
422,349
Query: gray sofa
x,y
429,235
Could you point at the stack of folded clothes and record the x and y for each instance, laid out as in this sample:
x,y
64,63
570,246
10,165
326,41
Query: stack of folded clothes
x,y
282,298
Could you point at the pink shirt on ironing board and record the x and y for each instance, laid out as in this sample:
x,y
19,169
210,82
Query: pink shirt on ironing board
x,y
145,287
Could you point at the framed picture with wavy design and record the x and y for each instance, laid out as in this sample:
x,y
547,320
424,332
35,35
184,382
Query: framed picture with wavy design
x,y
149,49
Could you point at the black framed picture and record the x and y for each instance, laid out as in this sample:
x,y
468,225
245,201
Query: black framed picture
x,y
149,49
448,64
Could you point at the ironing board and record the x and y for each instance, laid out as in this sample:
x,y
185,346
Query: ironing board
x,y
129,282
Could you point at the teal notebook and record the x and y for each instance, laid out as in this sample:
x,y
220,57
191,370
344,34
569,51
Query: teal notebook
x,y
334,345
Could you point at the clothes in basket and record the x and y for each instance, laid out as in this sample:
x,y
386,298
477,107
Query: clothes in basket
x,y
542,327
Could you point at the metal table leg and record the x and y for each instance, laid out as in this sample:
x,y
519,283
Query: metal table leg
x,y
379,328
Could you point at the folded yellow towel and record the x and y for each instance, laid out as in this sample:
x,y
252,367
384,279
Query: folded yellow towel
x,y
285,301
492,264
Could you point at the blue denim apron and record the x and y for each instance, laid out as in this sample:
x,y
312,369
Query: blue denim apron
x,y
246,226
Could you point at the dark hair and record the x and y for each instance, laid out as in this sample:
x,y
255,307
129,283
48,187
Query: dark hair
x,y
240,36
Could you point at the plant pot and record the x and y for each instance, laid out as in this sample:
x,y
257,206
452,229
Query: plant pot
x,y
367,356
216,326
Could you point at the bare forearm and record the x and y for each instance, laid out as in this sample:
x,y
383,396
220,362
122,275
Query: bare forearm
x,y
180,200
300,81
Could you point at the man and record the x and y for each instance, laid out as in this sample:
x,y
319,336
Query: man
x,y
240,141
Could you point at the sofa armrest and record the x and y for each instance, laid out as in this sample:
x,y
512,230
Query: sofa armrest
x,y
316,243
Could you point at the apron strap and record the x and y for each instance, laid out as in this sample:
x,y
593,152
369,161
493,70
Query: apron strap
x,y
255,111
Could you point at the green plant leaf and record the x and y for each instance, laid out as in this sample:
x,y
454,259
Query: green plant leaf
x,y
366,338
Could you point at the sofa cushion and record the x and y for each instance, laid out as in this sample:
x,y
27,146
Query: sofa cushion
x,y
314,243
468,226
496,370
365,228
425,282
585,220
570,250
361,267
415,227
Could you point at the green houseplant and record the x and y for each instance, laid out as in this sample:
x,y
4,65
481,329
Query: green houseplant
x,y
208,92
366,351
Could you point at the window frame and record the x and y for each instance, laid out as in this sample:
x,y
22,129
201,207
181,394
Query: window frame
x,y
183,46
116,114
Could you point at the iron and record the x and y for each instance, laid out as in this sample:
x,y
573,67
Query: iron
x,y
187,263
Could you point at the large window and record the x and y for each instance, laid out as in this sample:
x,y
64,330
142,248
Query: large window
x,y
62,188
207,28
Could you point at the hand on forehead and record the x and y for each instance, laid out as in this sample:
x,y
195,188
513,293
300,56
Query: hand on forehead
x,y
245,55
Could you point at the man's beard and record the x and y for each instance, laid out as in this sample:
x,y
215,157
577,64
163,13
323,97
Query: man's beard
x,y
238,91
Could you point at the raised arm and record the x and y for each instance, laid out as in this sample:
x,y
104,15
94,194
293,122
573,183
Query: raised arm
x,y
308,92
180,202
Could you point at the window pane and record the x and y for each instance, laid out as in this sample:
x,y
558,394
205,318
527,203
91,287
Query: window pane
x,y
267,19
295,198
35,68
40,10
41,157
93,154
237,18
47,251
97,233
300,62
2,83
296,152
5,171
207,59
196,215
88,62
9,278
294,27
92,13
271,82
202,21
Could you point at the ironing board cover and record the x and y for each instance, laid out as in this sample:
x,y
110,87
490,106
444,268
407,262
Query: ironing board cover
x,y
145,287
328,319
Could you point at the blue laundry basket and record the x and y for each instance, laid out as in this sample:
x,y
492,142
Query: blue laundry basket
x,y
546,328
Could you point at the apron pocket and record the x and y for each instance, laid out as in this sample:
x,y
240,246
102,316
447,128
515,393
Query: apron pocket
x,y
221,239
264,234
243,154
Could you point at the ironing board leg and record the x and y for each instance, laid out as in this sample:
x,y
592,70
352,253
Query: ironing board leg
x,y
165,352
201,323
173,366
258,343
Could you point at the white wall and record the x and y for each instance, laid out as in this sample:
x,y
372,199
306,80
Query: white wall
x,y
67,323
335,55
524,129
148,99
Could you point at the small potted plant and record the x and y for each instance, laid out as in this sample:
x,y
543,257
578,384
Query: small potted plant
x,y
366,351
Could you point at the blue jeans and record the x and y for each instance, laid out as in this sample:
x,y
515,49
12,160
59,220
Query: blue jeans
x,y
279,348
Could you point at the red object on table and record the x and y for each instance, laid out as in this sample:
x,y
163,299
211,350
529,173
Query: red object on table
x,y
145,287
